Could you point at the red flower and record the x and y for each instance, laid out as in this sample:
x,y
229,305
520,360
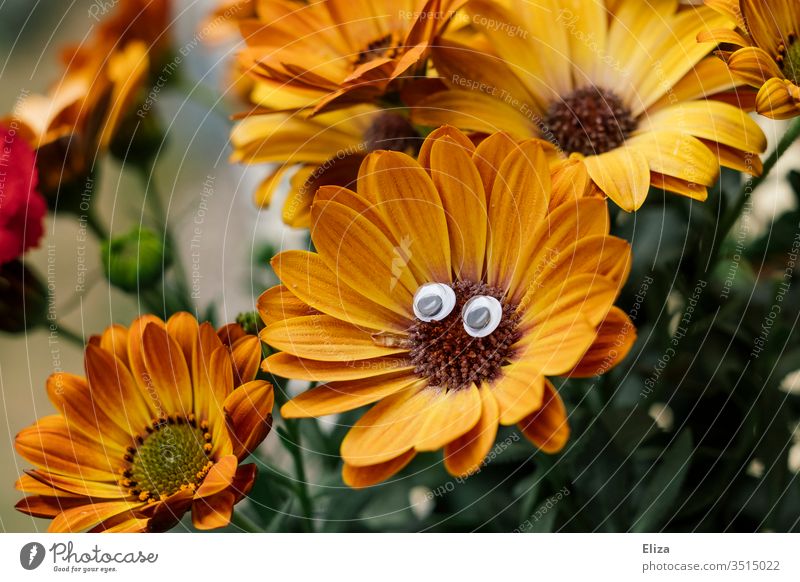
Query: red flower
x,y
22,207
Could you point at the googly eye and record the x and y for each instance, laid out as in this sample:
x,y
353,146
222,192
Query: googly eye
x,y
481,315
434,301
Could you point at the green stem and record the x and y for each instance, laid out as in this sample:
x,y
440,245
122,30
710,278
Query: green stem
x,y
244,523
70,335
734,211
292,444
95,226
146,172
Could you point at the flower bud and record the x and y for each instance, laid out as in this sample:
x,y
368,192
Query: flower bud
x,y
135,260
23,298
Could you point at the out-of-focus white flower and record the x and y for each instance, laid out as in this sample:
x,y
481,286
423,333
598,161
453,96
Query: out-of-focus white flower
x,y
421,500
662,415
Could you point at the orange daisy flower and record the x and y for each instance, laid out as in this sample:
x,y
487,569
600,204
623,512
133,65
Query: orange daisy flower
x,y
338,52
622,86
158,427
447,291
768,57
326,149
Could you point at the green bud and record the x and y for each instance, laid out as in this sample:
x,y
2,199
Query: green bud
x,y
135,260
23,298
250,322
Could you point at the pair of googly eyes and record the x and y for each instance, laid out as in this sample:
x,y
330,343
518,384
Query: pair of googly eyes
x,y
481,315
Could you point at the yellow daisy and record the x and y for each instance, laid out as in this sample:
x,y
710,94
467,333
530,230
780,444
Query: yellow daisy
x,y
623,86
768,57
326,149
158,427
446,291
337,52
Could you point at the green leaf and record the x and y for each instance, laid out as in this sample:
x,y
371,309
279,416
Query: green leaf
x,y
664,486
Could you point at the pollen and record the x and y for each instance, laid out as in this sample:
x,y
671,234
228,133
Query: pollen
x,y
444,353
171,455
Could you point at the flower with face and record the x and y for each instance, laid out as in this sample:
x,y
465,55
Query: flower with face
x,y
326,149
446,292
158,427
622,86
337,52
768,53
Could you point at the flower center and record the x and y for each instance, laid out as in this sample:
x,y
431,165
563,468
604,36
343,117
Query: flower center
x,y
384,46
172,455
392,131
444,353
789,59
590,121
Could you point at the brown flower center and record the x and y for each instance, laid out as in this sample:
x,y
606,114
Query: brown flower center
x,y
386,46
173,454
590,121
789,59
392,131
445,354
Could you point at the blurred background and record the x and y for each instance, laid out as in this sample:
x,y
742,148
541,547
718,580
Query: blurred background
x,y
713,447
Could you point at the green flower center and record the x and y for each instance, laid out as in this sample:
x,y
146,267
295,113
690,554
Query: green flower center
x,y
171,456
790,62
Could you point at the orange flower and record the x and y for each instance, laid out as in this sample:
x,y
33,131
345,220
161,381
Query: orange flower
x,y
447,291
768,57
622,86
338,52
159,426
325,149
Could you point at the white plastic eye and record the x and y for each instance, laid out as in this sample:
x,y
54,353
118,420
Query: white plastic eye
x,y
434,301
481,315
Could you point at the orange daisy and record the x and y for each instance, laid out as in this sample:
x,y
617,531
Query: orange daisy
x,y
622,86
336,52
768,57
326,149
446,291
158,427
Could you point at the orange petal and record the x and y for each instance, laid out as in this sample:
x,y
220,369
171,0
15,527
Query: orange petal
x,y
615,338
778,99
412,210
310,279
389,429
336,397
72,398
219,477
450,415
461,189
246,356
278,303
518,391
548,427
489,156
249,413
517,205
359,477
321,337
623,175
363,257
289,366
445,131
51,445
115,340
213,512
168,371
114,390
466,454
77,519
